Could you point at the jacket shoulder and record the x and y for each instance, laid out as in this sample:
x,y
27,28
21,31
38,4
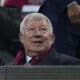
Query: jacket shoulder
x,y
68,60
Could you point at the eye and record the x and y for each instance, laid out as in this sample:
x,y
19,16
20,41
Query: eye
x,y
44,29
31,29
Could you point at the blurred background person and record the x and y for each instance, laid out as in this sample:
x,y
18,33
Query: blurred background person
x,y
9,24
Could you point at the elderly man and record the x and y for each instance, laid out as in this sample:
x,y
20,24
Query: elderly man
x,y
37,37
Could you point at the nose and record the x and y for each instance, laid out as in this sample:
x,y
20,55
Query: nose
x,y
37,31
37,34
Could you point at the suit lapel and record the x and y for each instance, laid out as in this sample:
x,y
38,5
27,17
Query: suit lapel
x,y
50,59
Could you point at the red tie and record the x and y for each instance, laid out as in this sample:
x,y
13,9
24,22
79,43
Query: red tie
x,y
35,60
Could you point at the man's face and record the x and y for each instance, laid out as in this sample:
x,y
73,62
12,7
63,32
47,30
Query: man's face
x,y
37,36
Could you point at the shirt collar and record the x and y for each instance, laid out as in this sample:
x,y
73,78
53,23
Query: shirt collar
x,y
28,58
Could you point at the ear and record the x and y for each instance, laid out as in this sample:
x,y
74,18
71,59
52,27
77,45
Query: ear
x,y
21,37
52,39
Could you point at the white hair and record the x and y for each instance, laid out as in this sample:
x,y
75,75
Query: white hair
x,y
33,16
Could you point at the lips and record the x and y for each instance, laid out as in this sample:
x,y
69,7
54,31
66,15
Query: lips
x,y
38,42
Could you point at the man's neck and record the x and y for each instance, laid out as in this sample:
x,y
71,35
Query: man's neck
x,y
34,53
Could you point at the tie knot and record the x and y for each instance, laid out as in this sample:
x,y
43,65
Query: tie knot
x,y
34,60
31,60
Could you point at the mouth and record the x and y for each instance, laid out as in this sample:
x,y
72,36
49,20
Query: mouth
x,y
38,42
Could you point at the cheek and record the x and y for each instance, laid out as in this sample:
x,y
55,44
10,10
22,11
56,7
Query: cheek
x,y
26,41
28,38
48,38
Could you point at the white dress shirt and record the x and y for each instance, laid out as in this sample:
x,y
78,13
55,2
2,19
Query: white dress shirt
x,y
28,58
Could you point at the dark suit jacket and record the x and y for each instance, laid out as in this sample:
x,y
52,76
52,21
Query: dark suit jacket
x,y
56,10
52,58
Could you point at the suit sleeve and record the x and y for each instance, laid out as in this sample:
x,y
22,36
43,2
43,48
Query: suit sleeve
x,y
59,5
50,11
53,8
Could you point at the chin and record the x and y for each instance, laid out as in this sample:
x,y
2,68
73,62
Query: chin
x,y
39,49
